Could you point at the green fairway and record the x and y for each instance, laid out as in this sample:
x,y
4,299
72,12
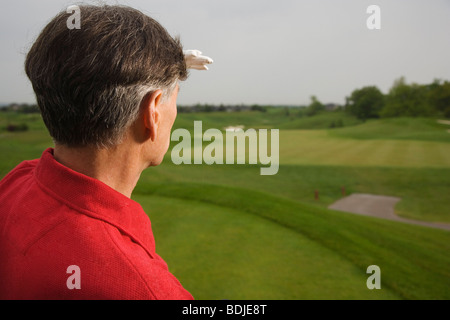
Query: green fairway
x,y
423,190
279,118
423,129
228,232
320,147
246,244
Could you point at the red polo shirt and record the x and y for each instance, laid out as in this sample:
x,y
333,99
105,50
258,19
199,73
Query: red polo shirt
x,y
52,217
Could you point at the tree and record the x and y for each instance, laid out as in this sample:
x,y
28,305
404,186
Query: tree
x,y
407,100
365,103
314,107
439,97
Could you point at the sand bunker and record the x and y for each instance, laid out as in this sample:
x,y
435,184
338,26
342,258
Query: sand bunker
x,y
378,206
447,122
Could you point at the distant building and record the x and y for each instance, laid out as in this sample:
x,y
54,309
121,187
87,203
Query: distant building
x,y
331,106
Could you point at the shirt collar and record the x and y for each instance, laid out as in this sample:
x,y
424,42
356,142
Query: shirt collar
x,y
95,199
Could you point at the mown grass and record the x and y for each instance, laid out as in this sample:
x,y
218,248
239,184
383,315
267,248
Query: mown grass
x,y
424,191
273,118
414,260
230,254
321,147
422,129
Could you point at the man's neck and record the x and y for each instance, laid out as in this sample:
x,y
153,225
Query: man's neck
x,y
118,167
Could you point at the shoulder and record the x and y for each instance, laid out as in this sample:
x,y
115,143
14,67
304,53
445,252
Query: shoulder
x,y
111,265
142,274
23,169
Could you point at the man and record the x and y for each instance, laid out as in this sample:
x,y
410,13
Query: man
x,y
107,93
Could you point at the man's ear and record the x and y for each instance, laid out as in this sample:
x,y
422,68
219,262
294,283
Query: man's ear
x,y
151,113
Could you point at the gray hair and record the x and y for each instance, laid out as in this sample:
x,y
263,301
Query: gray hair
x,y
89,83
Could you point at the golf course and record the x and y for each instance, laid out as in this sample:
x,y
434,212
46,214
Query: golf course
x,y
228,232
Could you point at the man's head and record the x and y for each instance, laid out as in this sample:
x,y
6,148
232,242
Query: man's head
x,y
91,83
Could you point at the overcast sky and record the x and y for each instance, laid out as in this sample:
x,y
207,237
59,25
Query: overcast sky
x,y
267,51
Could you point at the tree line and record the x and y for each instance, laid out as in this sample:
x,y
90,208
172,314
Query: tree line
x,y
403,99
21,108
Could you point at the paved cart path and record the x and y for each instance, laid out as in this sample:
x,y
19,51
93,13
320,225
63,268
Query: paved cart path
x,y
378,206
